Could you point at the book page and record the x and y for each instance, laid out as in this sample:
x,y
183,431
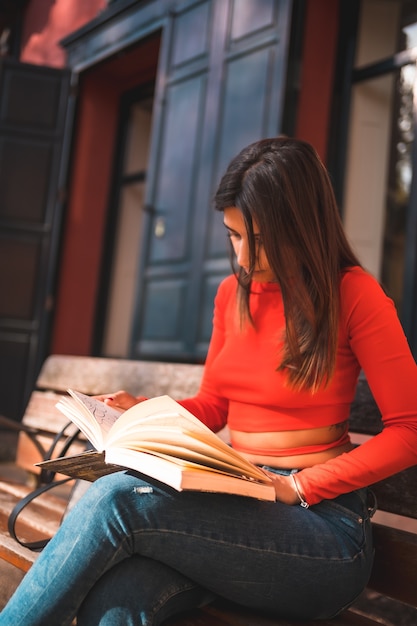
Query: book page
x,y
93,417
196,460
182,445
104,415
163,412
184,475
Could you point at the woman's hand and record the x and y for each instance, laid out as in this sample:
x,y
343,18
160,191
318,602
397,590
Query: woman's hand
x,y
284,488
121,400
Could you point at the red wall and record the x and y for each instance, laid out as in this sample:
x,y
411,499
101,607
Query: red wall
x,y
319,57
47,22
86,219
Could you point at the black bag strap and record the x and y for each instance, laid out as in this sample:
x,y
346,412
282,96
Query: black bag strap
x,y
47,478
36,546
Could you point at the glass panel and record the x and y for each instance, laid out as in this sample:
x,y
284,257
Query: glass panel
x,y
367,168
379,163
137,140
375,44
123,277
397,30
409,32
249,16
124,271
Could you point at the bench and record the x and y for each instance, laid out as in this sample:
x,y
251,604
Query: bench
x,y
391,596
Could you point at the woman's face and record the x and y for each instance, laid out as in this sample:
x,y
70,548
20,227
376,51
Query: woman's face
x,y
236,230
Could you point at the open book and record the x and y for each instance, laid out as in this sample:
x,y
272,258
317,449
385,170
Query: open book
x,y
160,439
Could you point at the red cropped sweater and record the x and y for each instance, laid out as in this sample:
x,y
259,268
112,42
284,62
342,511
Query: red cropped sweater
x,y
241,386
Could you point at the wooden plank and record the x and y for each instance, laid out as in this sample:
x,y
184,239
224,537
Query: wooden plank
x,y
386,610
42,414
222,613
10,577
27,454
395,568
39,520
96,375
15,554
397,494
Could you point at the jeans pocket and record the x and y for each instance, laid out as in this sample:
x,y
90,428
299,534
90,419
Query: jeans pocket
x,y
348,514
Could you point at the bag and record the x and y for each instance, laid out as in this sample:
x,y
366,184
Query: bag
x,y
46,479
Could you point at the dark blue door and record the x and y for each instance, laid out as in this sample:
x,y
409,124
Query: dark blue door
x,y
220,86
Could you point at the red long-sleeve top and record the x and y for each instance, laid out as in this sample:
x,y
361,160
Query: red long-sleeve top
x,y
241,387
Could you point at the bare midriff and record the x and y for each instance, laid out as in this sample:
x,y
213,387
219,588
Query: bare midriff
x,y
291,439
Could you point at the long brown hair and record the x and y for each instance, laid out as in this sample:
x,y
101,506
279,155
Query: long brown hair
x,y
282,185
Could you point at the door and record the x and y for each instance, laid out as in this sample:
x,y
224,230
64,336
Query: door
x,y
124,227
33,105
221,85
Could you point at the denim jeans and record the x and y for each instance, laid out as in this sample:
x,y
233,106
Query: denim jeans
x,y
133,552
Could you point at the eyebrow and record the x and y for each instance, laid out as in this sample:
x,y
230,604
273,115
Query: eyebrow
x,y
230,228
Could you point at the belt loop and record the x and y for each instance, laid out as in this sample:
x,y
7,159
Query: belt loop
x,y
372,503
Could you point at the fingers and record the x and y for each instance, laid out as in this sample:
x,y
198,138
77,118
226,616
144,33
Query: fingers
x,y
118,400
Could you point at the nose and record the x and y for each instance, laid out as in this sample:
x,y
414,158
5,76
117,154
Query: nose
x,y
242,254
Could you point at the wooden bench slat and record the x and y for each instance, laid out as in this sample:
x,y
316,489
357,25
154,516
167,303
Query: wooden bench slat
x,y
39,520
35,519
395,567
225,614
49,500
95,375
397,494
15,554
28,455
41,411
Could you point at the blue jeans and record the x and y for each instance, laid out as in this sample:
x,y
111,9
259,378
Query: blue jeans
x,y
133,552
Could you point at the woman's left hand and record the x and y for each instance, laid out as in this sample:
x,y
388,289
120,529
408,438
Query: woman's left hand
x,y
120,400
284,488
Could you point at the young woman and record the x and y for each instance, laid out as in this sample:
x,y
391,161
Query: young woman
x,y
293,327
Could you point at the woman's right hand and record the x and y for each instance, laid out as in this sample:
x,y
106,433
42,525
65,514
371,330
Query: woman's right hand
x,y
120,400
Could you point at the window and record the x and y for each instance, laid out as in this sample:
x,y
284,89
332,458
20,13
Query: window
x,y
377,201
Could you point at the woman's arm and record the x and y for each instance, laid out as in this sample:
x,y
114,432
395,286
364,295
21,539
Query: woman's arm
x,y
378,341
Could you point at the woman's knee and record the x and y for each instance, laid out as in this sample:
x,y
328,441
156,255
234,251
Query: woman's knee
x,y
109,487
139,591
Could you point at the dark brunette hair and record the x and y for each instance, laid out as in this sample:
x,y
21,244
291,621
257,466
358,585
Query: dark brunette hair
x,y
282,185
